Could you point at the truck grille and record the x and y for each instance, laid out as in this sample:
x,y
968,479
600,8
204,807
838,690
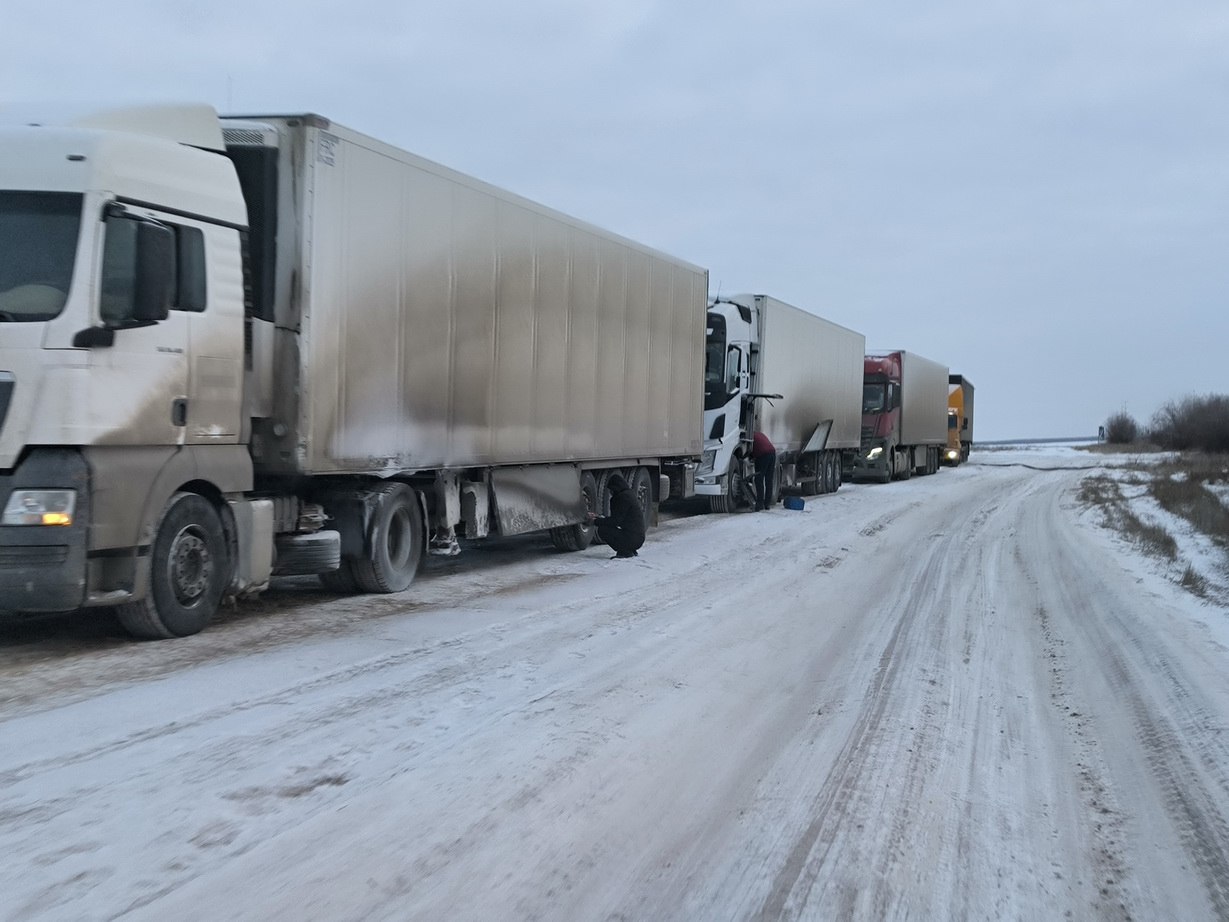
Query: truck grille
x,y
52,555
7,383
867,432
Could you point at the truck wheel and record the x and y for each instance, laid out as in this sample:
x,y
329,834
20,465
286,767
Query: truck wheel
x,y
579,536
189,568
316,552
733,491
641,483
825,480
396,542
602,479
836,472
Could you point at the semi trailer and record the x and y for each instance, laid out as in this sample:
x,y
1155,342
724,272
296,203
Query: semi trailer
x,y
904,416
788,373
238,347
959,420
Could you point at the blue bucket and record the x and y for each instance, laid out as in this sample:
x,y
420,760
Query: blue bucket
x,y
797,503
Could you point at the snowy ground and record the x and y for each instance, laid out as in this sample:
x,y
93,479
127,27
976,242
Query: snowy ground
x,y
956,697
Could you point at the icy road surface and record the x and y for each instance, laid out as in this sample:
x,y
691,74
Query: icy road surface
x,y
950,698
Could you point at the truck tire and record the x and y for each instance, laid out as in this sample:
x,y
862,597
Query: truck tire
x,y
579,536
728,502
316,552
602,479
641,482
189,569
395,543
836,472
906,470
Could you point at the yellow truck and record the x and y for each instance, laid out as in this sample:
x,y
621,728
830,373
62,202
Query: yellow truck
x,y
959,420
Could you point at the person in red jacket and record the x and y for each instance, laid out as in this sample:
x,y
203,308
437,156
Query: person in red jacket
x,y
764,455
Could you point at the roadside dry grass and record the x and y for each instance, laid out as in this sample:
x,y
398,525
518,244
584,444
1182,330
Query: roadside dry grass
x,y
1180,486
1131,448
1105,493
1194,502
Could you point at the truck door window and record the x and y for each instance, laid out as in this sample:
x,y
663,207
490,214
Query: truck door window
x,y
190,274
733,369
716,364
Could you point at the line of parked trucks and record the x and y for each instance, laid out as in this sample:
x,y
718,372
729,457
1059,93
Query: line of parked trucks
x,y
233,348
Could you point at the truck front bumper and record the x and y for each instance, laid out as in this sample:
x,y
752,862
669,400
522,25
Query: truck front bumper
x,y
43,567
878,470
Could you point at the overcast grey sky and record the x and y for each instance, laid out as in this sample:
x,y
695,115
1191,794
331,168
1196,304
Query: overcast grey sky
x,y
1035,194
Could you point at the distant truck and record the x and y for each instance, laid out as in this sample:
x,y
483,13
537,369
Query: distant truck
x,y
788,373
959,420
904,416
239,347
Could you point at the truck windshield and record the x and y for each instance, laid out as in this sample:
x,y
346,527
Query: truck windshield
x,y
715,395
874,397
38,244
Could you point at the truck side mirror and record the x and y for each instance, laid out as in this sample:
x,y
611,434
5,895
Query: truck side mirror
x,y
138,272
153,283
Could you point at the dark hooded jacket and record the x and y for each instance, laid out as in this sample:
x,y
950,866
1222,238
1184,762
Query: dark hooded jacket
x,y
623,529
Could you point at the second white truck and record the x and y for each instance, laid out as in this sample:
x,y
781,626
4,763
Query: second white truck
x,y
788,373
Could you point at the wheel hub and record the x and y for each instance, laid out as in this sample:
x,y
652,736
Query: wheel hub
x,y
191,566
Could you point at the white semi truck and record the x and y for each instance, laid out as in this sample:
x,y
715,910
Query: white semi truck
x,y
790,374
232,348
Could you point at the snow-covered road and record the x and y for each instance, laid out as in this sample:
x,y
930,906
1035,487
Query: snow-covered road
x,y
953,697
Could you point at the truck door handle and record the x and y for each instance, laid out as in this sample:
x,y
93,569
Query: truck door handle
x,y
179,411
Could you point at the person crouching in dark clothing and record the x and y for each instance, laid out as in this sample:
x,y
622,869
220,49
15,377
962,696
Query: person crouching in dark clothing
x,y
623,529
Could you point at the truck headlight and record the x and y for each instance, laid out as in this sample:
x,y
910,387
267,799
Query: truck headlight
x,y
40,507
707,459
874,453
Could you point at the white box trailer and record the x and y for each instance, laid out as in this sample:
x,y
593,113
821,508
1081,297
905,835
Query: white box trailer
x,y
270,344
817,365
788,373
923,390
428,320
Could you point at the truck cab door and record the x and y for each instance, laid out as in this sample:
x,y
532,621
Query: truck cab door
x,y
210,297
139,369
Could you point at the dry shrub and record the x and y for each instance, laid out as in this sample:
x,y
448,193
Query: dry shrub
x,y
1121,429
1199,423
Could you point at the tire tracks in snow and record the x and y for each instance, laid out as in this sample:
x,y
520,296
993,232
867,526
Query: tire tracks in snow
x,y
909,647
1098,642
